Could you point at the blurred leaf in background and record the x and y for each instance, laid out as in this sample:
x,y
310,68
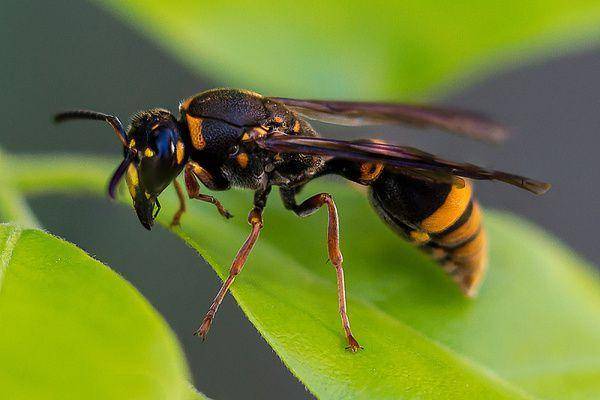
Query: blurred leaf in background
x,y
378,49
73,329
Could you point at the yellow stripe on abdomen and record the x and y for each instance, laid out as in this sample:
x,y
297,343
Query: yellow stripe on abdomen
x,y
450,211
463,232
467,263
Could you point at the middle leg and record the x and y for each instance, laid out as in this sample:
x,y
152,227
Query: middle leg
x,y
193,188
309,207
256,221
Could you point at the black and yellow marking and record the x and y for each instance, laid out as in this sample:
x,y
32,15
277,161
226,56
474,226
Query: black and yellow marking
x,y
242,159
462,248
180,151
441,218
195,129
463,229
132,179
370,172
452,208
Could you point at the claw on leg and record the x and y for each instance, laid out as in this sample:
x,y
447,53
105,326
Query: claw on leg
x,y
204,327
353,345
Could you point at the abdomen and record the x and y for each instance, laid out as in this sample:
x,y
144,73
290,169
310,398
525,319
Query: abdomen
x,y
442,219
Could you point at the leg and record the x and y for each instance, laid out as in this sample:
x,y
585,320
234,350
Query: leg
x,y
307,208
182,207
254,219
193,189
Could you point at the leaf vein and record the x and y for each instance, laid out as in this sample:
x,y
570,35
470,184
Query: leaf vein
x,y
9,246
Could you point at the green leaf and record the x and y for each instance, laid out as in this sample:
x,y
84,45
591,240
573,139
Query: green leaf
x,y
73,329
359,49
532,332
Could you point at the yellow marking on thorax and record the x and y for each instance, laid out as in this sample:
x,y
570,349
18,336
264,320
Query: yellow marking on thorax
x,y
132,144
296,127
453,207
370,171
195,128
466,230
180,152
242,160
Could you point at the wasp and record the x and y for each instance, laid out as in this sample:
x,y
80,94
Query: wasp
x,y
231,138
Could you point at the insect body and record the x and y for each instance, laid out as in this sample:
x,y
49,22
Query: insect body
x,y
228,138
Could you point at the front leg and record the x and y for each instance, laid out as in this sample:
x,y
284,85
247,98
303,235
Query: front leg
x,y
255,220
307,208
192,173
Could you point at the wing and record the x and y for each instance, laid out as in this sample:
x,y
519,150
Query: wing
x,y
411,159
351,113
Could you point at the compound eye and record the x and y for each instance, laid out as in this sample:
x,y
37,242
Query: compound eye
x,y
164,143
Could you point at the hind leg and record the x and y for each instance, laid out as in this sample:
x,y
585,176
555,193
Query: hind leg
x,y
309,207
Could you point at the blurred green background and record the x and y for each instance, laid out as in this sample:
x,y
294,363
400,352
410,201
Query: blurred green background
x,y
69,54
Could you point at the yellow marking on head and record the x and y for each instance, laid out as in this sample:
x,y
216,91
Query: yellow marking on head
x,y
132,180
132,144
180,152
195,128
419,237
148,152
466,230
370,171
278,120
242,160
453,207
296,127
